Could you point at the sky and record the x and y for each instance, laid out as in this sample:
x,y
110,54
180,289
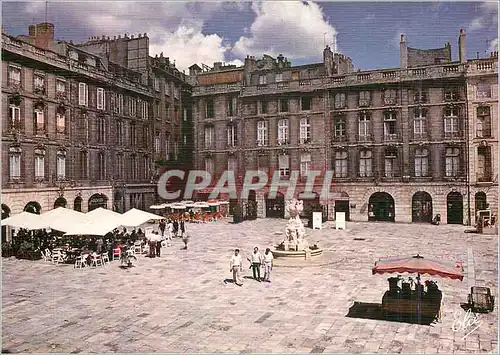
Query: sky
x,y
207,32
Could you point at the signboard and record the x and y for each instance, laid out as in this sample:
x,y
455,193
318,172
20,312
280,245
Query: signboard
x,y
317,220
340,220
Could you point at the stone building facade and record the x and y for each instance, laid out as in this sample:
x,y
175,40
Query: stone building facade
x,y
81,129
396,139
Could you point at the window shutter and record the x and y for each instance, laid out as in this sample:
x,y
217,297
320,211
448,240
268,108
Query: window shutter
x,y
81,94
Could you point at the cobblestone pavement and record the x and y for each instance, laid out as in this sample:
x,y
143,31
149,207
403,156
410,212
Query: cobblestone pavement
x,y
180,302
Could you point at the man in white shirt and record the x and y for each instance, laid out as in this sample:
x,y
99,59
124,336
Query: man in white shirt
x,y
235,266
268,264
256,261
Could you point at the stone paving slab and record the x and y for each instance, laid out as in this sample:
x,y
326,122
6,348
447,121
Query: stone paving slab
x,y
179,303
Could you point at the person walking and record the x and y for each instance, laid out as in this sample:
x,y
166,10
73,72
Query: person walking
x,y
162,227
182,226
176,228
235,266
268,264
158,246
255,262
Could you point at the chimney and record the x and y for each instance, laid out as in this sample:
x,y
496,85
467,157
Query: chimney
x,y
217,65
43,34
328,60
462,54
32,30
403,53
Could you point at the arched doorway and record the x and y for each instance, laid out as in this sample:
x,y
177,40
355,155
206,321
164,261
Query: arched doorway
x,y
5,214
98,200
251,206
310,203
77,204
455,208
275,208
342,205
33,207
381,207
60,202
421,206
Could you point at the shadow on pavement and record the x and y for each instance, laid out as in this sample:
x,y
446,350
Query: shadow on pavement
x,y
374,311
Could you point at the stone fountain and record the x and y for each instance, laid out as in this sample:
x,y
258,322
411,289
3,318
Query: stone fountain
x,y
295,245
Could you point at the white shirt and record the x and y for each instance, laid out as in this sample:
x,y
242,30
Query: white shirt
x,y
268,257
256,257
236,260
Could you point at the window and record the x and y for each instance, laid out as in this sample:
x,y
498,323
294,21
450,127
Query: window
x,y
119,166
167,146
421,162
101,166
339,100
262,80
284,165
420,96
61,166
340,128
263,163
305,164
209,137
176,150
305,131
419,126
100,98
341,164
364,126
483,91
283,103
231,106
14,75
156,82
262,134
83,94
61,120
279,77
184,115
39,119
209,113
120,104
15,165
306,103
119,132
145,110
483,164
83,162
283,131
364,98
39,167
209,165
451,95
184,140
15,116
390,125
232,164
176,113
101,130
60,87
157,142
167,88
295,75
390,163
390,97
132,107
452,168
232,136
39,83
365,163
263,107
451,122
133,167
133,134
483,128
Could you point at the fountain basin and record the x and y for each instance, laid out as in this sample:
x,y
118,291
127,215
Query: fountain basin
x,y
301,254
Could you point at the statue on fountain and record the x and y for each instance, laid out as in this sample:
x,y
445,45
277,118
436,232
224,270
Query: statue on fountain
x,y
295,230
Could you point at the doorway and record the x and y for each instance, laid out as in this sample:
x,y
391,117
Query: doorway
x,y
455,208
342,205
421,206
381,207
275,208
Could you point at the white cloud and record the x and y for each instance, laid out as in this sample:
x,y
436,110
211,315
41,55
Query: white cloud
x,y
493,45
488,16
294,28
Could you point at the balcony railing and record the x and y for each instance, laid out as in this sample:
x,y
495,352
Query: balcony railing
x,y
343,138
449,135
391,137
365,138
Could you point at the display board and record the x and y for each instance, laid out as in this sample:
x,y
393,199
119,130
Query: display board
x,y
339,220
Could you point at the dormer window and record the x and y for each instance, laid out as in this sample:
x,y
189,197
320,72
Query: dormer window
x,y
279,77
39,83
262,80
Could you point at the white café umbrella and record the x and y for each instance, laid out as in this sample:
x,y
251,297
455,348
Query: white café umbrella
x,y
156,207
62,219
25,220
135,217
